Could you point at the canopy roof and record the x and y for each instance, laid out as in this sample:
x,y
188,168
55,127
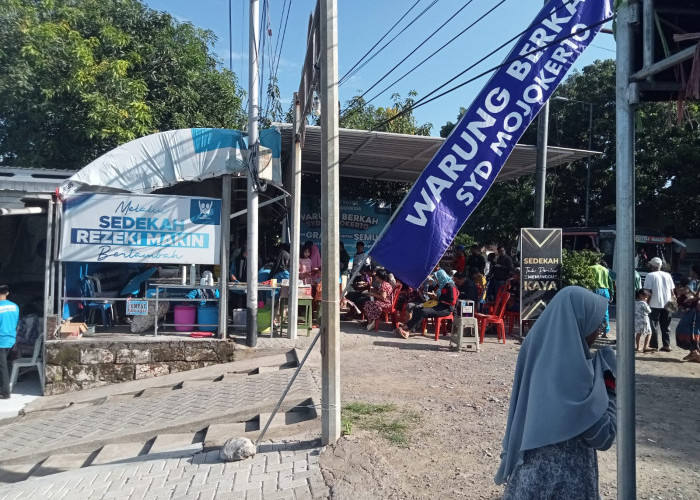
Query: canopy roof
x,y
400,157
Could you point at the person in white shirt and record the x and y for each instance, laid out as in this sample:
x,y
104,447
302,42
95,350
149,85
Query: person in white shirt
x,y
661,285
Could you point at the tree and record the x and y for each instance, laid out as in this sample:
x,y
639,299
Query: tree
x,y
363,116
82,76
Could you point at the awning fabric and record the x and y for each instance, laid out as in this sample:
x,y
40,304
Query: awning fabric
x,y
167,158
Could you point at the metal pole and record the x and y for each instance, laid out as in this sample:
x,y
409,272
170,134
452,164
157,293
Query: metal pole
x,y
230,39
224,264
296,219
625,224
648,26
252,216
330,228
48,278
588,164
541,169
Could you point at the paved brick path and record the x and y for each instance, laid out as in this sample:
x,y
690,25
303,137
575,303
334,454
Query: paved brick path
x,y
285,470
115,421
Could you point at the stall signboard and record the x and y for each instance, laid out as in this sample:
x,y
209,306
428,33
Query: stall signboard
x,y
140,229
540,270
360,220
136,307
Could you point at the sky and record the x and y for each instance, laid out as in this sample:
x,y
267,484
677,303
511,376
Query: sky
x,y
361,24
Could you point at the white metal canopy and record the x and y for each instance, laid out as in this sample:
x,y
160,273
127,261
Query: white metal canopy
x,y
401,157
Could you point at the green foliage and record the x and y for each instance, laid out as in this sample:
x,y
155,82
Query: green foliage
x,y
363,116
576,268
82,76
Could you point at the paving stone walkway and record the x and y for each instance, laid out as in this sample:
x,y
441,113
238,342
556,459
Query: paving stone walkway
x,y
114,421
279,470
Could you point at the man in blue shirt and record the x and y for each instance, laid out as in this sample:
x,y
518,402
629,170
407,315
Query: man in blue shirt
x,y
9,316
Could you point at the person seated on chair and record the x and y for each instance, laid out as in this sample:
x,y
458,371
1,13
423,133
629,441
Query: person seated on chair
x,y
280,269
360,290
447,298
9,317
380,299
467,288
514,290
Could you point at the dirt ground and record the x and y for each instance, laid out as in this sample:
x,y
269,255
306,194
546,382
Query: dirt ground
x,y
463,399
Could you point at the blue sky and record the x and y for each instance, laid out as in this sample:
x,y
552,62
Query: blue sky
x,y
361,23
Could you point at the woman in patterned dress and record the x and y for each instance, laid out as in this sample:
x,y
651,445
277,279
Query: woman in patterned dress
x,y
688,328
373,309
562,408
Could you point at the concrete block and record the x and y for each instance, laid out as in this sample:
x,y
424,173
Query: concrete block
x,y
134,356
61,463
149,370
174,442
218,434
15,472
96,356
117,452
155,391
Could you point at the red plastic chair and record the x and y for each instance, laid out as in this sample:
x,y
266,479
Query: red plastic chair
x,y
441,324
495,319
490,306
511,317
390,312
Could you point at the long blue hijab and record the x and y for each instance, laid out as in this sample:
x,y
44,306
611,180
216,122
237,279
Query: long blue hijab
x,y
442,278
558,390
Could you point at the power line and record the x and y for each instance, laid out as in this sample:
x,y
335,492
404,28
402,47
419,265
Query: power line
x,y
425,99
515,37
436,52
390,41
411,52
344,77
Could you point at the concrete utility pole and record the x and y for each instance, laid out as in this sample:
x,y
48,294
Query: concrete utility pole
x,y
330,227
624,256
296,218
252,216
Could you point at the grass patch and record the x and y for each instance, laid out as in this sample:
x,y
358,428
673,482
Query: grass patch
x,y
387,420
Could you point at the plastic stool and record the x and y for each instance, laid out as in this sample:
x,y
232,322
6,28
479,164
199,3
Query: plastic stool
x,y
304,320
465,331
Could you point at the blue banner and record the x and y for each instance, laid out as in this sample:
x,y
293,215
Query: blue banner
x,y
464,168
360,220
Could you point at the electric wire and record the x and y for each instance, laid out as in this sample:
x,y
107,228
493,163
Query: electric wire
x,y
437,51
425,100
430,6
345,76
413,51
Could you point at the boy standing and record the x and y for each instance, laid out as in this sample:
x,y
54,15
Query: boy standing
x,y
9,316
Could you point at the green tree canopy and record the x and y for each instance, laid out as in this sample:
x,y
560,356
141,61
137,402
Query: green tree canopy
x,y
83,76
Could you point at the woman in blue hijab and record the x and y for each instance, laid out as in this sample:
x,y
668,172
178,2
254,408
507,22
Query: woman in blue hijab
x,y
562,408
447,298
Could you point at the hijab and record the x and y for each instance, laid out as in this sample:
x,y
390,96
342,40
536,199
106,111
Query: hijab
x,y
442,278
558,390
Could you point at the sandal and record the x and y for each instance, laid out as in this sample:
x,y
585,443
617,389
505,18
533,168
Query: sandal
x,y
401,332
370,325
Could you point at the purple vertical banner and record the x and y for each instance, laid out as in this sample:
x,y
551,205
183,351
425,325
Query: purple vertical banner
x,y
464,168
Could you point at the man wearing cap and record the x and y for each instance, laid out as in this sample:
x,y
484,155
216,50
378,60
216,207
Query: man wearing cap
x,y
460,261
661,285
9,316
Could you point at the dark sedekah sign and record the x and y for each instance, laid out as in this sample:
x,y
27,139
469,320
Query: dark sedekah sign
x,y
540,270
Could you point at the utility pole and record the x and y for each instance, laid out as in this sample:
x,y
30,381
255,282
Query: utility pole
x,y
625,97
252,215
224,264
330,227
296,217
588,164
